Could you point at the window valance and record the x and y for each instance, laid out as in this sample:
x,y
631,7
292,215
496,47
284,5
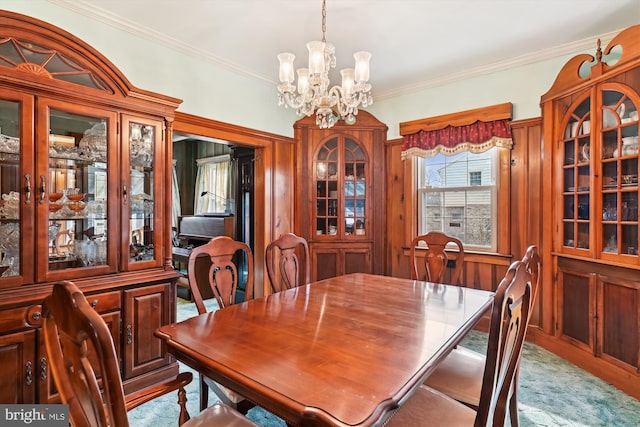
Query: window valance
x,y
475,138
473,131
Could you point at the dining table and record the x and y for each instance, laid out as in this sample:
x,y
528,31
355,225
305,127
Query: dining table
x,y
344,351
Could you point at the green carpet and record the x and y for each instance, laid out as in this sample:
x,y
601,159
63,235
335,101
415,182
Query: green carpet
x,y
552,392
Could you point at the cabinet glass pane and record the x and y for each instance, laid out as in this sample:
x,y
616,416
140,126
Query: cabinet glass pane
x,y
77,190
10,187
141,148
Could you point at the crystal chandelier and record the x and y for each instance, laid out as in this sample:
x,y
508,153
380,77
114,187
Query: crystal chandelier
x,y
314,92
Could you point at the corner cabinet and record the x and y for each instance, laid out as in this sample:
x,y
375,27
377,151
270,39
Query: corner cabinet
x,y
340,193
590,118
84,172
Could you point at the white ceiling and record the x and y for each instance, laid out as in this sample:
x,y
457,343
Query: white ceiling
x,y
414,43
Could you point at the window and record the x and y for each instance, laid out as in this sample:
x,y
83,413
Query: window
x,y
212,185
475,178
458,195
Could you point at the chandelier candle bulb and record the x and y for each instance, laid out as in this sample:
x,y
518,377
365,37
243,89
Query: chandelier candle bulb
x,y
362,66
347,81
286,67
314,94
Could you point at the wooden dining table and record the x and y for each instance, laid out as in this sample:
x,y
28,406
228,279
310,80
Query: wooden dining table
x,y
345,351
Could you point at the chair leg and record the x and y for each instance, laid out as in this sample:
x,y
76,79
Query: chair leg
x,y
244,406
513,403
182,401
204,394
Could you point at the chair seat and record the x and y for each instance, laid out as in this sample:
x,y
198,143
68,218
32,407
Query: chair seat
x,y
428,407
219,415
459,376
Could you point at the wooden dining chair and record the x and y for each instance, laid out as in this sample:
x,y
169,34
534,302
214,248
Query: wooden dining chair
x,y
460,374
214,266
288,263
80,349
507,329
433,266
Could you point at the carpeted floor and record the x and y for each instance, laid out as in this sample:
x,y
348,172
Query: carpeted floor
x,y
552,392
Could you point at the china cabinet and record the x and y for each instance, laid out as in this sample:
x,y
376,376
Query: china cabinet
x,y
341,195
84,169
590,118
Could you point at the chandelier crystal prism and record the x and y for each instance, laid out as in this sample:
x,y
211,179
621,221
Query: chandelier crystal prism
x,y
314,92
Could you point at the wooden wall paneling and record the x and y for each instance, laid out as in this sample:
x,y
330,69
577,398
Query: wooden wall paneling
x,y
526,191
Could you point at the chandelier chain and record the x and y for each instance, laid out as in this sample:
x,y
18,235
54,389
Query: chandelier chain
x,y
324,21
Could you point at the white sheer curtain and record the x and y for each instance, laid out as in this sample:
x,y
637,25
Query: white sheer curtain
x,y
212,184
176,210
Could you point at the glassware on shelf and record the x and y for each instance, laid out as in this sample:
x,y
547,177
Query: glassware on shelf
x,y
9,244
10,206
93,145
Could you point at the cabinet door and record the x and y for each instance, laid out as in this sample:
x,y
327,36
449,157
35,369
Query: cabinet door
x,y
142,193
599,170
617,203
331,260
76,191
18,360
17,188
145,310
576,307
619,322
341,188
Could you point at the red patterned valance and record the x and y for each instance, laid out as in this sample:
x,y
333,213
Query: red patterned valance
x,y
476,137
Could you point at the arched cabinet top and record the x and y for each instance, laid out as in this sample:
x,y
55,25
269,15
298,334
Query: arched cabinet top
x,y
585,69
41,56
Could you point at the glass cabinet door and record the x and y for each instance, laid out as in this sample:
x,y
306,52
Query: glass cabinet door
x,y
619,171
354,189
327,189
75,193
341,182
16,191
142,150
600,175
577,178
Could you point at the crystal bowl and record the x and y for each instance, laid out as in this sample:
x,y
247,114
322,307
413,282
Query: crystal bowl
x,y
55,207
77,207
76,197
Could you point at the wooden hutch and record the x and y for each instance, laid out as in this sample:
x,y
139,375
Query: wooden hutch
x,y
85,173
591,169
340,172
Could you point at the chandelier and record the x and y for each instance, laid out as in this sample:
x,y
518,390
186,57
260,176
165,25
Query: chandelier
x,y
314,92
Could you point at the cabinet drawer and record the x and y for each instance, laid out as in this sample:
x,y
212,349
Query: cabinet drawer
x,y
104,302
18,318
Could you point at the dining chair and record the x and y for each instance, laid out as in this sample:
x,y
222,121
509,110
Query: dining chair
x,y
214,266
288,263
507,329
82,357
460,374
436,260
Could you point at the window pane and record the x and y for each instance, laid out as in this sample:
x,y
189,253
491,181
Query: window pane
x,y
458,197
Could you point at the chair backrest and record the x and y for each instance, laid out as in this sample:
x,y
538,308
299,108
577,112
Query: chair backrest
x,y
509,318
288,264
436,259
221,275
70,327
531,260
